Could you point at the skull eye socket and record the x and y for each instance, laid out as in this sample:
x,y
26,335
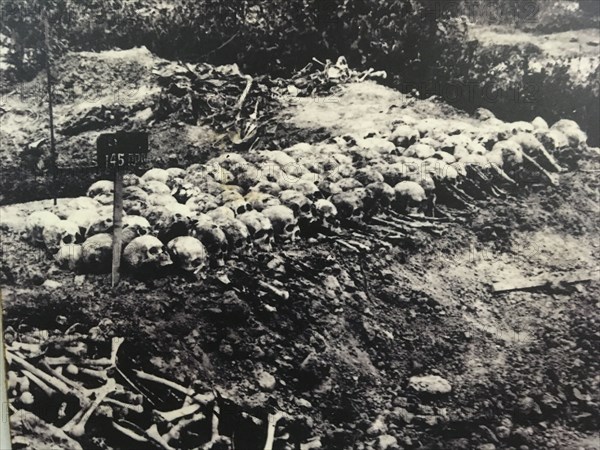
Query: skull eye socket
x,y
67,239
289,227
295,208
305,208
249,207
241,209
357,212
142,232
239,243
260,234
198,262
154,251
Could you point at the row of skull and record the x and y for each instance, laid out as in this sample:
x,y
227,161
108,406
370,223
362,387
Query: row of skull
x,y
233,202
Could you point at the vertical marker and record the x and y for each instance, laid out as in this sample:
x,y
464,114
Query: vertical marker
x,y
117,225
50,113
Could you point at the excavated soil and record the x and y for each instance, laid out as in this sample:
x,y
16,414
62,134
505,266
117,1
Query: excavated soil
x,y
357,325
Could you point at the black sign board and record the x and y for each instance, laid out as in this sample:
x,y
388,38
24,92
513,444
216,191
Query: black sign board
x,y
122,150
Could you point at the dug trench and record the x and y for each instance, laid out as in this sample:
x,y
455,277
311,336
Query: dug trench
x,y
360,321
358,325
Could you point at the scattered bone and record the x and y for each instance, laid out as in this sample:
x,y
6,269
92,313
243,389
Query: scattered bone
x,y
76,426
272,420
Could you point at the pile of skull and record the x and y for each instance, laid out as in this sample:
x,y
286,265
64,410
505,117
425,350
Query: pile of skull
x,y
63,378
235,204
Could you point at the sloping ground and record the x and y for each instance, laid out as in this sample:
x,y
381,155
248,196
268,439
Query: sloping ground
x,y
357,324
581,47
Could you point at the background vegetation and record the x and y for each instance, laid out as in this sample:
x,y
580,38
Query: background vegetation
x,y
415,41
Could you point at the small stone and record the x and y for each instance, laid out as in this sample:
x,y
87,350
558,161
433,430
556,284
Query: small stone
x,y
51,284
502,432
430,384
385,441
303,403
266,381
400,401
486,447
377,427
403,415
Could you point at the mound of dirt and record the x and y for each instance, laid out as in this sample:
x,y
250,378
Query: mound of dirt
x,y
358,322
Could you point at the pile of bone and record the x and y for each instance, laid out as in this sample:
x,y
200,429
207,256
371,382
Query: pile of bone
x,y
237,204
318,78
63,380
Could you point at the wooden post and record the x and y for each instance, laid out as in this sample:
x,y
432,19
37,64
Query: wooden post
x,y
117,226
4,413
50,112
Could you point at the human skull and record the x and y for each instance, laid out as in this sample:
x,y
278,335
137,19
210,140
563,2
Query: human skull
x,y
237,234
350,203
162,199
202,203
336,173
57,234
134,199
239,206
156,187
329,188
175,176
368,175
260,229
176,221
394,173
229,196
309,189
188,253
348,184
285,224
69,256
83,203
326,213
160,175
35,224
410,197
83,219
572,131
183,191
534,148
102,224
221,211
229,160
134,226
96,253
129,179
404,136
419,150
380,195
266,187
259,200
219,173
298,203
508,153
146,253
212,236
102,191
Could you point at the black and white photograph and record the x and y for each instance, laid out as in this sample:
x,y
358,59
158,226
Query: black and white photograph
x,y
299,224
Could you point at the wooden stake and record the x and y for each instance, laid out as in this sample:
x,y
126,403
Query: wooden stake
x,y
117,226
50,112
581,276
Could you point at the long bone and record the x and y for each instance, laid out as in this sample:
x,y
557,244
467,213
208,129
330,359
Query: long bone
x,y
272,420
54,382
39,383
76,426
